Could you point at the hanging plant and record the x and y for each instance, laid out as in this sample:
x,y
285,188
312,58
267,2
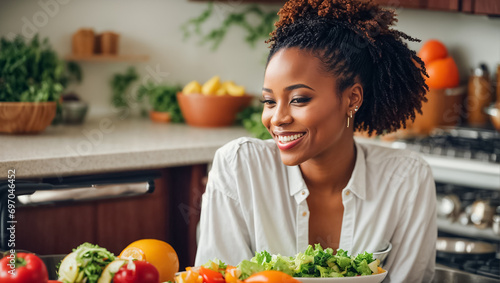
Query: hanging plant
x,y
254,32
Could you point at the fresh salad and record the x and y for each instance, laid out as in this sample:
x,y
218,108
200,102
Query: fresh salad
x,y
84,264
313,262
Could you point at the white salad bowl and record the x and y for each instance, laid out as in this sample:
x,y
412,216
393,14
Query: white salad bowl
x,y
375,278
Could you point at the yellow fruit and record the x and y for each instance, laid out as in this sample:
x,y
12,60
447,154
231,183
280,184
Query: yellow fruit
x,y
221,91
160,254
211,86
235,90
226,83
192,87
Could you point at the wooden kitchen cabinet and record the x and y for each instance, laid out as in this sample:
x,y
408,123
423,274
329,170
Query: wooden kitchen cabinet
x,y
171,213
113,224
444,5
481,7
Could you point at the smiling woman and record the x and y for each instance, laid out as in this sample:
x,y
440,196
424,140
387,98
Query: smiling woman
x,y
335,66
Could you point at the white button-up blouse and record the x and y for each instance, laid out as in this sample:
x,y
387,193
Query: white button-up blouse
x,y
254,202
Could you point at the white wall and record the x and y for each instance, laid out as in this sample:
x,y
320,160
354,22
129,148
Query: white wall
x,y
153,27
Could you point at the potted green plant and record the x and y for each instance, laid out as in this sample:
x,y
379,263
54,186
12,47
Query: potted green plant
x,y
120,85
162,100
30,84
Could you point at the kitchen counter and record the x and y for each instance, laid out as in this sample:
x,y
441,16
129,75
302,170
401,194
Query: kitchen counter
x,y
108,144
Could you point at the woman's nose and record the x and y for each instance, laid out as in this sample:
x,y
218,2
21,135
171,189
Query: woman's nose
x,y
281,116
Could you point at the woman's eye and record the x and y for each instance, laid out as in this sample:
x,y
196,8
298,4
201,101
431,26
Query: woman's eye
x,y
267,101
301,100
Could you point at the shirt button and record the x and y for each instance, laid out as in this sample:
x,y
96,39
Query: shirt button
x,y
347,192
303,192
304,213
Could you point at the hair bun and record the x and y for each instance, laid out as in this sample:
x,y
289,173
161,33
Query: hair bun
x,y
364,18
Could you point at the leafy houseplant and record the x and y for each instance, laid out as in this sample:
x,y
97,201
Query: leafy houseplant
x,y
120,83
29,71
31,77
162,99
250,118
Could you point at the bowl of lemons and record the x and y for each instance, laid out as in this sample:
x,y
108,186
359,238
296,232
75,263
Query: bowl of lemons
x,y
212,104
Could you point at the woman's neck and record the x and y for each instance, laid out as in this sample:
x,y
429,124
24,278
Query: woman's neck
x,y
330,172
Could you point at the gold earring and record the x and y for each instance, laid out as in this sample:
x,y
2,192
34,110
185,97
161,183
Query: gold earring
x,y
350,116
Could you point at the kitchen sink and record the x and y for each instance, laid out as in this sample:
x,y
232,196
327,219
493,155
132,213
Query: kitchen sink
x,y
448,275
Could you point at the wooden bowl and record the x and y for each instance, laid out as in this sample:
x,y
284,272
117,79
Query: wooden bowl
x,y
211,111
26,117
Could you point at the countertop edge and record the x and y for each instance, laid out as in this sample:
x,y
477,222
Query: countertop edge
x,y
105,163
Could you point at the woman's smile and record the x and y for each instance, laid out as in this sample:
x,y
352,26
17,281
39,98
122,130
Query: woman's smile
x,y
287,141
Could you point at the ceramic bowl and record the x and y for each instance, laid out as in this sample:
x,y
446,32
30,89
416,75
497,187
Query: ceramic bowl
x,y
74,112
382,253
211,111
375,278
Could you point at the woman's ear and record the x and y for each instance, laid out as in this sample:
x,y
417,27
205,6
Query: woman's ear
x,y
355,97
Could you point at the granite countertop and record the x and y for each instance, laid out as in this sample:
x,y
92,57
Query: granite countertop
x,y
108,144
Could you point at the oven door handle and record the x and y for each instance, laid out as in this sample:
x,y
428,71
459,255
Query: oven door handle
x,y
9,195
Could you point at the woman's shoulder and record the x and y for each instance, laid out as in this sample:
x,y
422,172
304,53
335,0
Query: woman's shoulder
x,y
379,155
245,147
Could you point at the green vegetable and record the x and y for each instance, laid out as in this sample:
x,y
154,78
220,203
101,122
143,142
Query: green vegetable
x,y
250,118
92,260
162,98
29,71
313,262
120,83
248,268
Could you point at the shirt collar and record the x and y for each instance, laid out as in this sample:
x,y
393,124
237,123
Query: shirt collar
x,y
357,182
295,181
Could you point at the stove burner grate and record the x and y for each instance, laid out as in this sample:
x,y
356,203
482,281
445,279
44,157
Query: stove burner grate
x,y
479,144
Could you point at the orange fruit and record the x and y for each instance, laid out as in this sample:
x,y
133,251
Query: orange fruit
x,y
271,276
443,73
133,253
158,253
432,50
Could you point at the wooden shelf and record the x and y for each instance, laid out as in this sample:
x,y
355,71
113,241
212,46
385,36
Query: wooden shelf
x,y
107,58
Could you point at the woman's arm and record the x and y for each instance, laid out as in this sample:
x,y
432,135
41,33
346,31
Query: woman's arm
x,y
223,230
414,242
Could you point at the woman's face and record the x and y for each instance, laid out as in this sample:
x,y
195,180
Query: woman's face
x,y
302,109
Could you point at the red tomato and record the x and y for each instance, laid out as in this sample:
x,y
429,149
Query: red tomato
x,y
271,276
210,276
137,272
23,267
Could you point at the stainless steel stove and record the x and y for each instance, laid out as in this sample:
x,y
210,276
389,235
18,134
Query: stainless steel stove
x,y
461,143
460,156
488,267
